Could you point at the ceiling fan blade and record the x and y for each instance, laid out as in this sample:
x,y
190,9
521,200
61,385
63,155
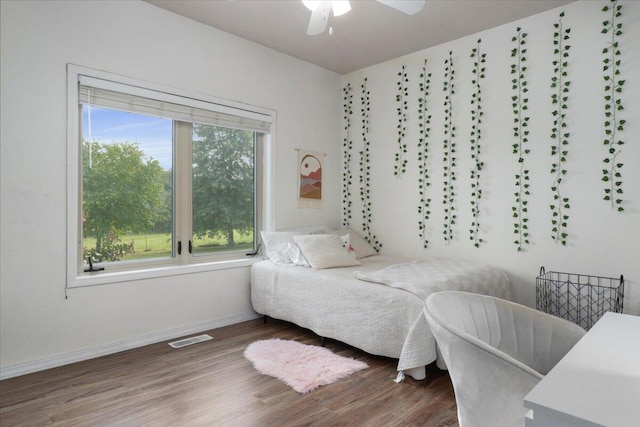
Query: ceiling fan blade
x,y
318,21
410,7
340,7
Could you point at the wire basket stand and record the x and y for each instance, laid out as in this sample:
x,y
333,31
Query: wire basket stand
x,y
579,298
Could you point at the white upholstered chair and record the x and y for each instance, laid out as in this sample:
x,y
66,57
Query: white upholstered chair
x,y
496,352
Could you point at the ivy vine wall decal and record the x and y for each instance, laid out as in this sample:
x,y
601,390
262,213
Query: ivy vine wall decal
x,y
449,158
559,150
400,162
365,170
424,129
611,175
347,147
521,133
478,71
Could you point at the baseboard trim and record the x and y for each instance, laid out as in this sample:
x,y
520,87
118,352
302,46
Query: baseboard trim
x,y
7,372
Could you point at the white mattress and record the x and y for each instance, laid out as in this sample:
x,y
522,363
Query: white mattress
x,y
380,319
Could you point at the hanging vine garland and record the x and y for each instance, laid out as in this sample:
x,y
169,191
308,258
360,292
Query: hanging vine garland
x,y
560,84
364,156
611,175
400,162
365,171
449,159
476,134
520,132
423,154
347,147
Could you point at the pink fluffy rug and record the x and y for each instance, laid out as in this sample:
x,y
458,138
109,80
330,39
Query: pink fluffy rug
x,y
302,367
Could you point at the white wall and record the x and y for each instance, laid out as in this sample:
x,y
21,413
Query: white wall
x,y
39,327
601,241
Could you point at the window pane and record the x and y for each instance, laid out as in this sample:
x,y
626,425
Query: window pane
x,y
223,189
127,185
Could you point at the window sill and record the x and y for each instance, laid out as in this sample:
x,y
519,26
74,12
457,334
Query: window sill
x,y
103,277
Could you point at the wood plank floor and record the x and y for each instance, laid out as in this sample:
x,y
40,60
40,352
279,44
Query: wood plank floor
x,y
212,384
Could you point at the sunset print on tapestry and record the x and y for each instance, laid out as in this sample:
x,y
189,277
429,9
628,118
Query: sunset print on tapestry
x,y
310,180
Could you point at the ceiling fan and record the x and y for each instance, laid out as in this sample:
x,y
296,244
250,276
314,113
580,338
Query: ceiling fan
x,y
321,9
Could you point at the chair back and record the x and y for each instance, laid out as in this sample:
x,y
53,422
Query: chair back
x,y
496,352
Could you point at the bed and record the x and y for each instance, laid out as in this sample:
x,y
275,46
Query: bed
x,y
376,304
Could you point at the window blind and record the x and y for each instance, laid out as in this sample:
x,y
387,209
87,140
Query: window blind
x,y
120,96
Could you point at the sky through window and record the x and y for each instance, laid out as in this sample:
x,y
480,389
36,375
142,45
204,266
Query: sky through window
x,y
154,134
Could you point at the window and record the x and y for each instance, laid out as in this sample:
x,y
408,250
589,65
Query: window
x,y
165,182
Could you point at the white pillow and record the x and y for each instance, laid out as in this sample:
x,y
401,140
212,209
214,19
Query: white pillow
x,y
325,251
309,229
361,247
281,249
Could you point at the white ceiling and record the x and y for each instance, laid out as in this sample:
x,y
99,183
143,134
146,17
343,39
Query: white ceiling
x,y
369,34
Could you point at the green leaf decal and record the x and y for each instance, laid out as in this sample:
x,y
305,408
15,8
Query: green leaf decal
x,y
559,150
424,127
478,72
613,124
518,70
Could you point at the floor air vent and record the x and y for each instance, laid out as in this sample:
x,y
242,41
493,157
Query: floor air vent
x,y
192,340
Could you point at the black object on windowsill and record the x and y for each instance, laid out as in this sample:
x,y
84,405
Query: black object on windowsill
x,y
91,268
254,253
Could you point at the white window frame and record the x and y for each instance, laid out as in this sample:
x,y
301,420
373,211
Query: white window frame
x,y
76,277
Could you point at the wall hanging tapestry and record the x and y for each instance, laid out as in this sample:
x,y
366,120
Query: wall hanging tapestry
x,y
310,179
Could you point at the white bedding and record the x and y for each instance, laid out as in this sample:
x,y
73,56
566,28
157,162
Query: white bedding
x,y
385,318
424,278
